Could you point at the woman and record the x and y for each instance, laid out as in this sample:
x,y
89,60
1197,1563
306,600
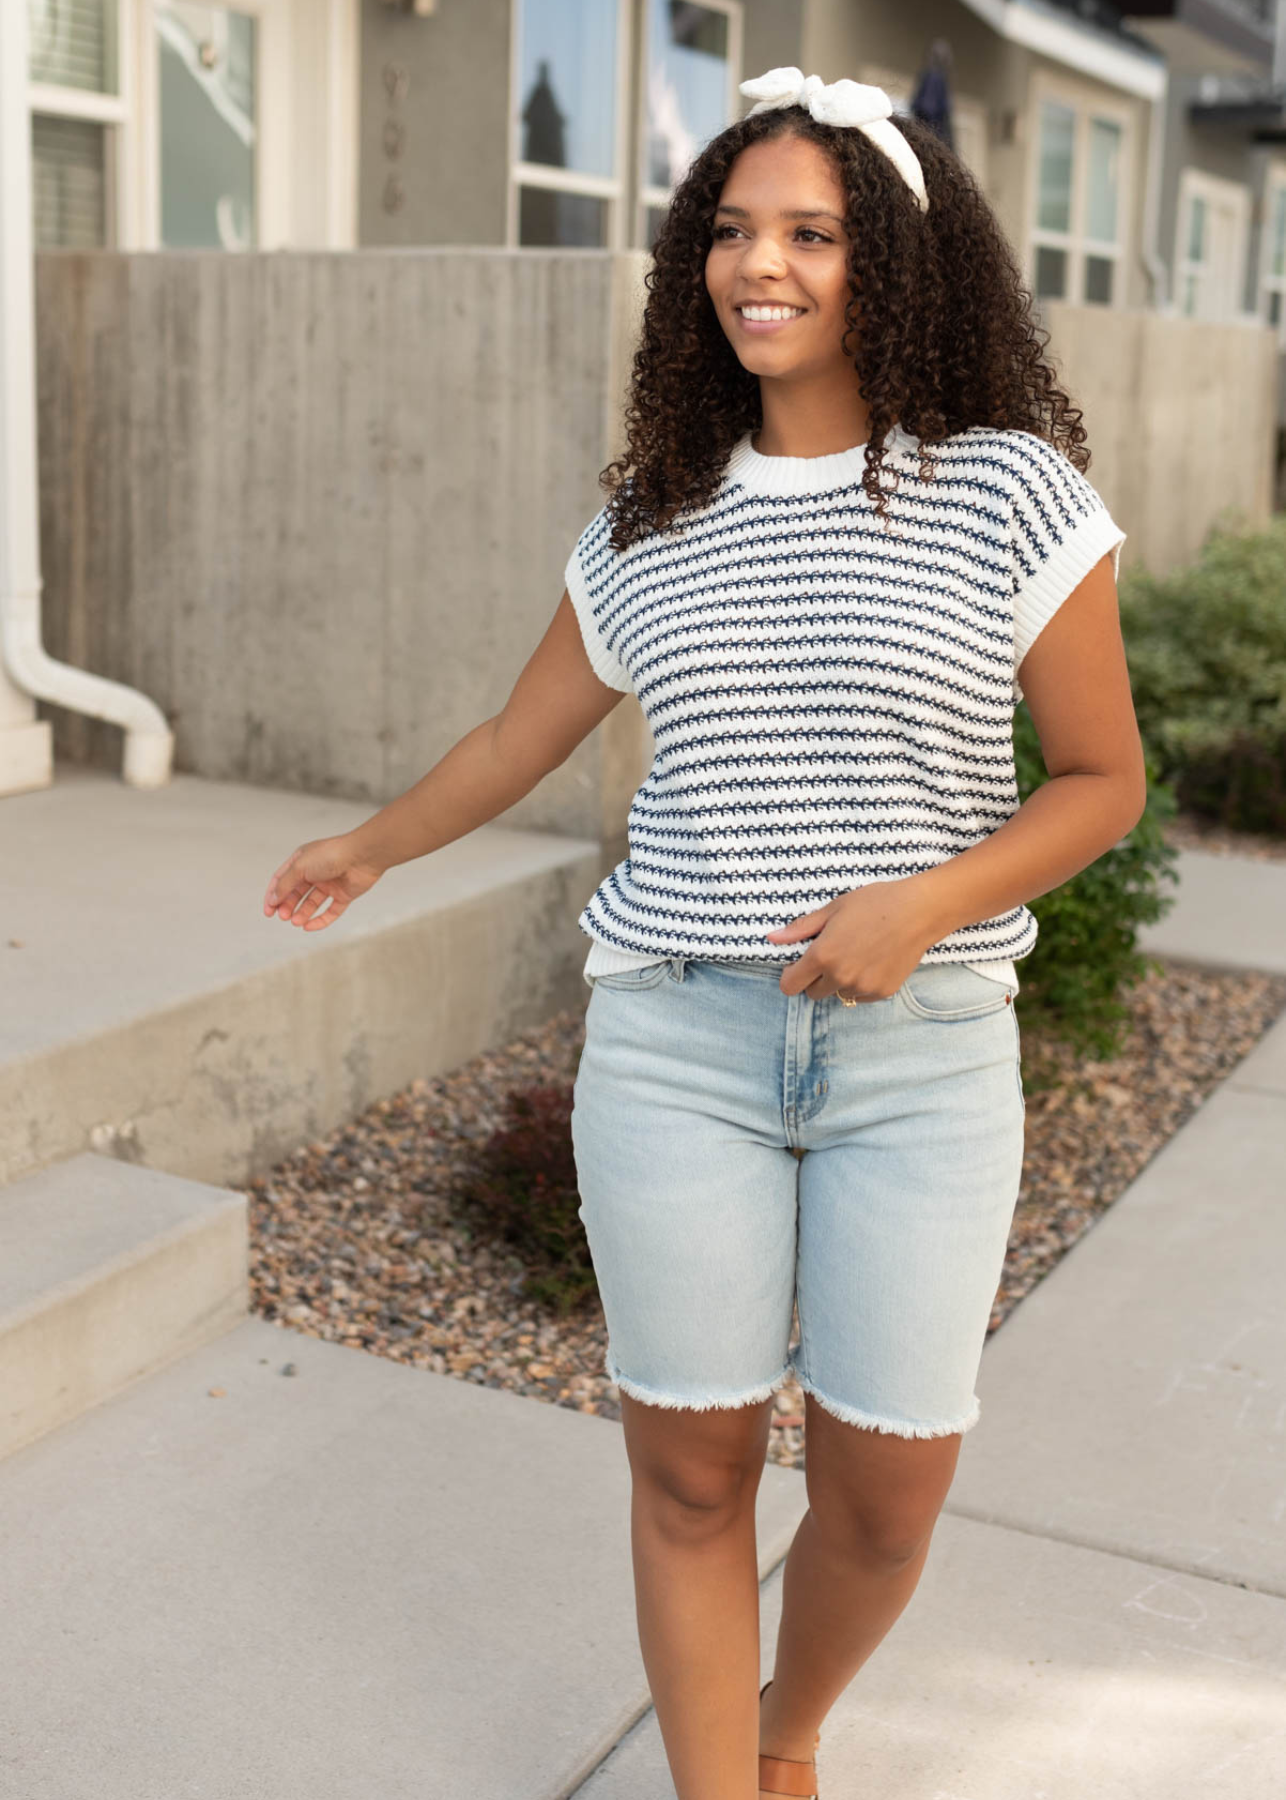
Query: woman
x,y
850,515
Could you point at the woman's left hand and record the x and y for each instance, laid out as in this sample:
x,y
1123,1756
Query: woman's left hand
x,y
865,943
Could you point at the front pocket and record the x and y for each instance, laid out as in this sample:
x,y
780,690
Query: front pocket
x,y
626,981
951,991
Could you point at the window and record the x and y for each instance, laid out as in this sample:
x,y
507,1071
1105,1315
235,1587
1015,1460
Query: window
x,y
1101,208
1273,303
567,120
1193,270
69,186
76,111
693,53
1213,226
73,44
1076,233
206,89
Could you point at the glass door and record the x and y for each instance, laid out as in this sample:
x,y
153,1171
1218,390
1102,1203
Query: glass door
x,y
208,100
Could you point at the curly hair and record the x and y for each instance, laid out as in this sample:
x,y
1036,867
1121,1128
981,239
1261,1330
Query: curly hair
x,y
946,338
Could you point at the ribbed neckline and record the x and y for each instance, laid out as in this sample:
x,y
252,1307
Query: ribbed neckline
x,y
805,474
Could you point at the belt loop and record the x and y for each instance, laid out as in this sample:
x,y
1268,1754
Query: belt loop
x,y
677,966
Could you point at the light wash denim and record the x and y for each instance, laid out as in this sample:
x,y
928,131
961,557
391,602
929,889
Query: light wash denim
x,y
740,1150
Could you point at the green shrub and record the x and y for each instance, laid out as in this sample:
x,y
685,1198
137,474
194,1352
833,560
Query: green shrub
x,y
522,1189
1206,648
1085,957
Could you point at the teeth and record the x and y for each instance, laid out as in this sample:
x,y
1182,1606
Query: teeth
x,y
761,315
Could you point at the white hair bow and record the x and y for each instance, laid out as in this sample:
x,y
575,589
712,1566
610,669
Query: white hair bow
x,y
869,109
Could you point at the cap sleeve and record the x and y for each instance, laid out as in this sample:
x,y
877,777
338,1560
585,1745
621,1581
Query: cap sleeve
x,y
589,578
1060,528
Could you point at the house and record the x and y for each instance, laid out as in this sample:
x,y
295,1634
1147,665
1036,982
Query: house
x,y
1137,157
1136,162
1221,221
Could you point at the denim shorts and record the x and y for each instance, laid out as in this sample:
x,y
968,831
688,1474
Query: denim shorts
x,y
741,1152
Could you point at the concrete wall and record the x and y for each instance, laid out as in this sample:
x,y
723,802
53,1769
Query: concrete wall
x,y
318,505
1181,419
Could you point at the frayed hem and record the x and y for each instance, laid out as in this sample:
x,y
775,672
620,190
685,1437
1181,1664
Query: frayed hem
x,y
652,1397
906,1428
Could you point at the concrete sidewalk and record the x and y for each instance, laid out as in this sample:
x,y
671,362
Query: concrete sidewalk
x,y
1103,1611
367,1579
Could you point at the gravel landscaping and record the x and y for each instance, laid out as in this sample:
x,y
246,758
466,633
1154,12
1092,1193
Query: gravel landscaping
x,y
353,1239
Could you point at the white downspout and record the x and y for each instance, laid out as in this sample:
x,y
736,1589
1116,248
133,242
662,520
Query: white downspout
x,y
26,672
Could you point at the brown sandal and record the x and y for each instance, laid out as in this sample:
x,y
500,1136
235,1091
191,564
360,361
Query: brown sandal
x,y
784,1775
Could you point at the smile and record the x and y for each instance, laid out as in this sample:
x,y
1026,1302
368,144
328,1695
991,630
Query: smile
x,y
769,315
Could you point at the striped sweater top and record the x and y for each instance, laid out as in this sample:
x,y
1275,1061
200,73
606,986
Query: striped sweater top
x,y
831,699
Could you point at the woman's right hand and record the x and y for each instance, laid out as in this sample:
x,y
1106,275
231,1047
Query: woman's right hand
x,y
327,869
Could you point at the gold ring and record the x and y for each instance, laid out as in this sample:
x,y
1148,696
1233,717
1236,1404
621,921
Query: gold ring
x,y
845,1000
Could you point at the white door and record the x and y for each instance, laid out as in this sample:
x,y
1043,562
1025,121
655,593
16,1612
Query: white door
x,y
1214,217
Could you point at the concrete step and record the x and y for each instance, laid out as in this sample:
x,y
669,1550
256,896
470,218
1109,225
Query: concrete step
x,y
149,1010
107,1273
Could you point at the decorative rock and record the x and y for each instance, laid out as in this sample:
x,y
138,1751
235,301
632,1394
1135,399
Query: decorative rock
x,y
334,1225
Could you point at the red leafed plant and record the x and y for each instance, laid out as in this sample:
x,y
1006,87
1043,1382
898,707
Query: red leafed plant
x,y
522,1189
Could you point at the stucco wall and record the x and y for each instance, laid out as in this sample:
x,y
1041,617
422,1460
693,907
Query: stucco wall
x,y
870,42
446,152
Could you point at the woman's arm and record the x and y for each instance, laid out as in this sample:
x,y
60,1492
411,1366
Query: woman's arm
x,y
1076,683
556,702
1077,686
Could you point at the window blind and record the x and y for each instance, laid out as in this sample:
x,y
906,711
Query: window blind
x,y
68,158
72,43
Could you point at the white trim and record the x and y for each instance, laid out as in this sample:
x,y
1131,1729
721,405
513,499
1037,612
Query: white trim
x,y
567,181
1075,46
76,103
147,124
128,138
344,69
275,136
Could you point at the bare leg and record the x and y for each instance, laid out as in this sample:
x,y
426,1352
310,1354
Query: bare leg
x,y
857,1556
692,1513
